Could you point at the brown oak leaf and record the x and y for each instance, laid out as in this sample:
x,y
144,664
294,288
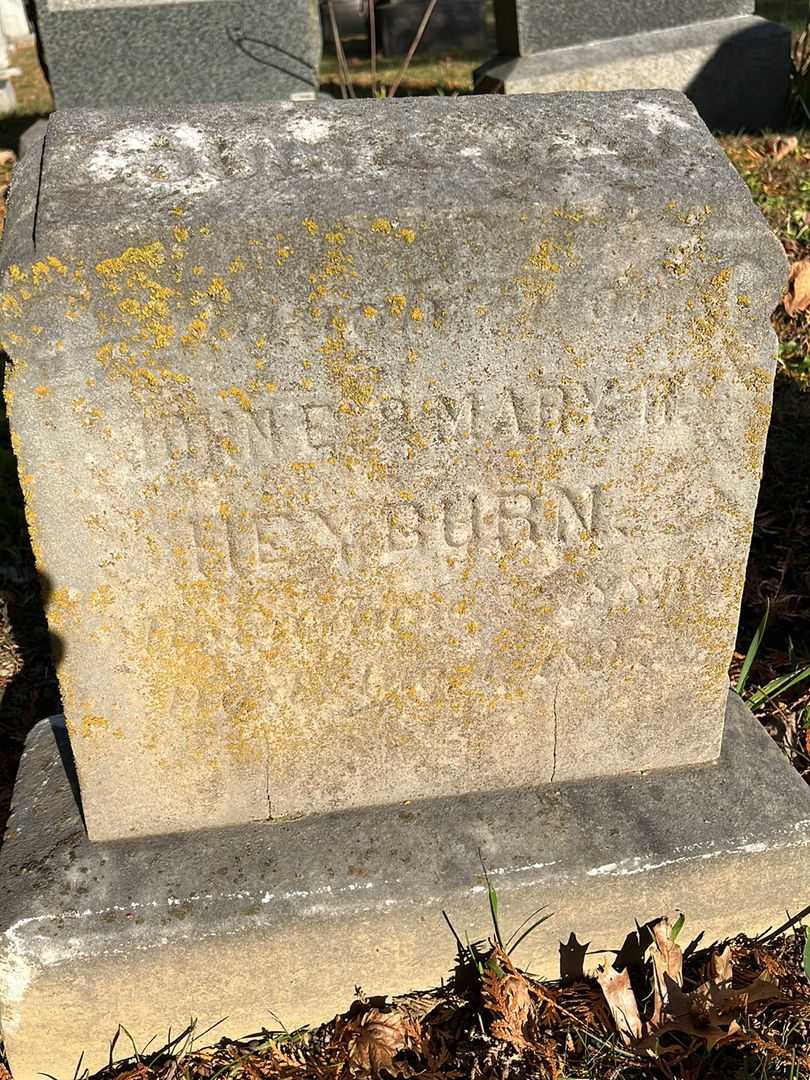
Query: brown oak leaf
x,y
374,1038
797,298
621,1001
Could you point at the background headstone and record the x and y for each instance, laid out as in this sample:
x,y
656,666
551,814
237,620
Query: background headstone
x,y
8,97
13,20
455,26
734,66
448,486
524,27
112,53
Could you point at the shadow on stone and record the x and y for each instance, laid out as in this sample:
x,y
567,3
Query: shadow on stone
x,y
33,692
744,85
273,56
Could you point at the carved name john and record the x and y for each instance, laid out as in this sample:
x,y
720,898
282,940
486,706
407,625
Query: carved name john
x,y
301,423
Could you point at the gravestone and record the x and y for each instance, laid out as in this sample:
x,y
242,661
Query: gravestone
x,y
414,525
114,53
14,21
8,96
410,452
456,26
734,66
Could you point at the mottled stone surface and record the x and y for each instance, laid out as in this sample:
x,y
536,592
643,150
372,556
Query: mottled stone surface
x,y
735,71
357,897
114,53
528,26
436,480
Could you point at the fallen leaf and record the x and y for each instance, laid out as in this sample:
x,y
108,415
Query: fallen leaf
x,y
720,967
667,959
621,1002
797,298
374,1038
507,996
782,145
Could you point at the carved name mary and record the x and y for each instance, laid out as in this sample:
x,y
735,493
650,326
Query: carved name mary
x,y
389,451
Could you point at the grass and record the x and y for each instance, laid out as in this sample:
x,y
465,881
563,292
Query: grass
x,y
778,575
426,74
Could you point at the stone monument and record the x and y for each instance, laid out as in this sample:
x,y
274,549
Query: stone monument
x,y
734,66
392,468
115,53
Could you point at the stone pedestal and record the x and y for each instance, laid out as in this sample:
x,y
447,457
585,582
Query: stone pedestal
x,y
292,917
736,71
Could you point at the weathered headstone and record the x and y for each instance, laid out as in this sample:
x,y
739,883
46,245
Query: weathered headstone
x,y
115,53
395,461
734,66
351,487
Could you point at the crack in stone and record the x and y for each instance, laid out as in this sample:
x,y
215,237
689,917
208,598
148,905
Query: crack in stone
x,y
267,778
556,734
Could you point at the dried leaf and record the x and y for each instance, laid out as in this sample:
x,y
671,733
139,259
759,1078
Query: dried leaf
x,y
507,996
667,959
374,1038
720,1002
797,298
782,145
621,1002
721,970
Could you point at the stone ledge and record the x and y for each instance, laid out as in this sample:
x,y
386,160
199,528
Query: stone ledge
x,y
736,71
290,917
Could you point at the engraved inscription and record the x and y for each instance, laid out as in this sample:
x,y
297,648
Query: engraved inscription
x,y
295,424
548,520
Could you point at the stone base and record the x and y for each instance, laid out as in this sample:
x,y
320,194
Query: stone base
x,y
268,921
735,71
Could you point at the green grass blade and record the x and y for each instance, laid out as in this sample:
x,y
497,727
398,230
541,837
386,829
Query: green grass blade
x,y
807,954
529,930
753,649
777,686
528,919
493,904
676,929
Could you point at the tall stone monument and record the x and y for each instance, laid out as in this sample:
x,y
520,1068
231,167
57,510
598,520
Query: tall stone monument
x,y
734,66
392,469
115,53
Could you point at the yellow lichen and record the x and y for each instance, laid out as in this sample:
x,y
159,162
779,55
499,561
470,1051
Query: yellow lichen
x,y
238,395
